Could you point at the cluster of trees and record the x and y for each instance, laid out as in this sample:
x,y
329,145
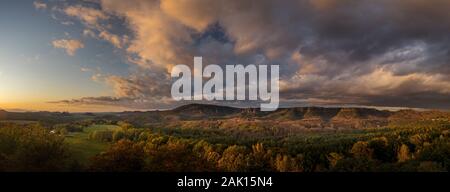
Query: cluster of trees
x,y
65,128
171,154
411,147
126,131
30,147
406,149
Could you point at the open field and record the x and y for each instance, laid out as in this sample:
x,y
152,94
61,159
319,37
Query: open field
x,y
83,147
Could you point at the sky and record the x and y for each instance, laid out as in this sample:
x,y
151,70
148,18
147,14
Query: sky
x,y
113,55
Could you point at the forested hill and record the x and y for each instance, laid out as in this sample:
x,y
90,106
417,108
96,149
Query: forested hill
x,y
207,115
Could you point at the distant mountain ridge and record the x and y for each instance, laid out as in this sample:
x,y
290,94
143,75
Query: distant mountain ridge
x,y
284,113
212,115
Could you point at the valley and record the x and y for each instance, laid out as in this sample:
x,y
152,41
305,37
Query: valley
x,y
216,138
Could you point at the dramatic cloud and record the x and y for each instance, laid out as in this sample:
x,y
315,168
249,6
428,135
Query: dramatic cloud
x,y
366,52
113,39
39,5
84,69
70,45
129,103
142,84
88,15
89,33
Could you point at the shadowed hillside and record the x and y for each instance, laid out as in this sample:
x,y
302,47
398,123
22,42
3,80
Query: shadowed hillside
x,y
199,115
292,119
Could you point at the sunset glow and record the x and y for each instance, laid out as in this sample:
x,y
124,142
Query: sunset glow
x,y
112,55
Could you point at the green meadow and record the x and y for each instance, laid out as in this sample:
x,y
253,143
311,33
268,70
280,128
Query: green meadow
x,y
82,147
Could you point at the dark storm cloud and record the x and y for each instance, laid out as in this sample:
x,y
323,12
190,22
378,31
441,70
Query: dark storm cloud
x,y
371,52
364,29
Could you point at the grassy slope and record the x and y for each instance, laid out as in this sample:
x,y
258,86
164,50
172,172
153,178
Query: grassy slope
x,y
82,147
